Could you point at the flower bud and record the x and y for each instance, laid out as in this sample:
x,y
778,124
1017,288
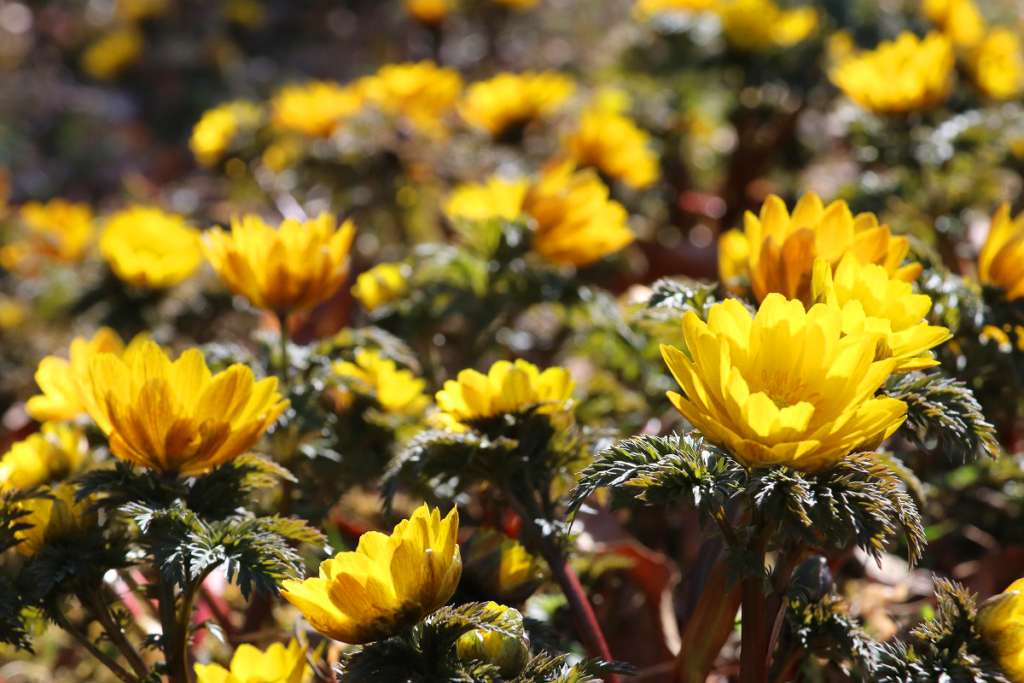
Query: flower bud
x,y
1000,621
509,653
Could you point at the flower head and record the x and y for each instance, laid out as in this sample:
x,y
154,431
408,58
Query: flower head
x,y
518,5
420,93
507,652
905,75
616,146
872,301
380,285
315,108
276,664
501,567
396,390
779,248
997,64
113,53
784,388
1000,621
494,198
510,101
54,454
216,129
178,417
959,20
756,25
57,231
428,11
649,8
999,263
387,585
292,268
53,518
151,248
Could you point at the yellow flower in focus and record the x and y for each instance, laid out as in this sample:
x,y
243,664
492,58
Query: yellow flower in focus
x,y
54,519
278,664
58,231
755,25
518,5
61,380
55,453
872,301
396,390
1001,261
780,248
380,285
112,54
510,101
216,129
428,11
501,567
147,247
387,585
997,64
959,20
178,417
509,653
141,10
616,146
645,9
316,108
292,268
495,198
507,388
784,388
421,93
1000,621
901,76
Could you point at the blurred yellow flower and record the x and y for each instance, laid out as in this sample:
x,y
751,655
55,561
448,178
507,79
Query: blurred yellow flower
x,y
755,25
53,454
1000,621
316,108
428,11
507,388
777,249
997,64
381,284
54,519
1001,261
277,664
959,20
13,313
501,567
494,198
421,93
649,8
113,53
141,10
616,146
178,417
507,652
784,388
292,268
901,76
61,380
148,247
387,585
57,231
396,390
216,129
509,101
518,5
251,14
872,301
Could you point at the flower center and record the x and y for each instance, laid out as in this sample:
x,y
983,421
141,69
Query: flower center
x,y
785,391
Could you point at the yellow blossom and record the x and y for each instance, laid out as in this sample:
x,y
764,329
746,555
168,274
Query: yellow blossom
x,y
216,129
141,10
901,76
755,25
494,198
997,64
13,313
872,301
421,93
251,14
780,248
784,388
501,567
178,417
53,518
57,231
616,146
148,247
1002,255
277,664
509,101
518,5
396,390
428,11
959,20
649,8
507,652
1000,621
387,585
113,53
292,268
381,284
55,453
315,108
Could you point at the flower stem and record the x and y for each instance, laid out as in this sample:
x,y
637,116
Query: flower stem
x,y
113,630
284,370
116,668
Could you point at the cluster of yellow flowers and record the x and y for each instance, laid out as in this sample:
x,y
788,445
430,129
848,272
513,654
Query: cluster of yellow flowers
x,y
748,25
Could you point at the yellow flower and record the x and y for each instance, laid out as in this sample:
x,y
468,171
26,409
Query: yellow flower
x,y
506,388
55,453
381,284
147,247
1000,621
901,76
648,8
216,129
396,390
428,11
872,301
509,653
784,388
997,64
510,101
54,519
13,313
959,20
292,268
388,584
58,231
315,108
518,5
141,10
178,417
616,146
278,664
1002,255
495,198
250,14
61,380
501,567
421,93
112,54
780,248
754,25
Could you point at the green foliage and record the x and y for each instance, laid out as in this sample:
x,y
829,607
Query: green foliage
x,y
673,298
957,301
823,630
12,626
11,514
